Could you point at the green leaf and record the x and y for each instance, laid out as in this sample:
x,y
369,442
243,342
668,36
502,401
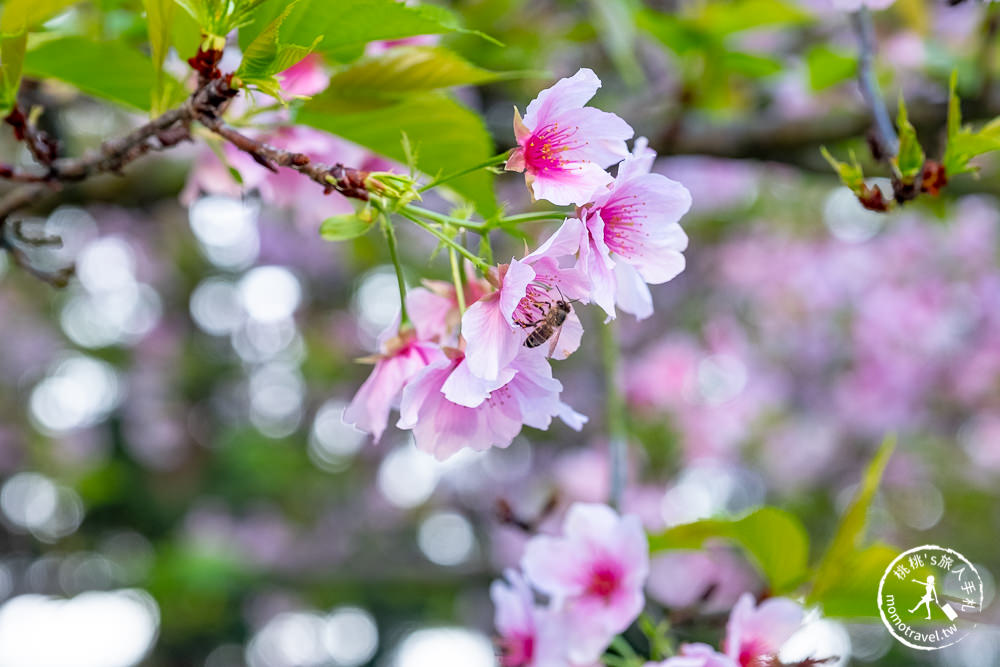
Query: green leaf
x,y
445,135
773,539
963,143
407,69
850,173
347,25
750,64
266,56
850,533
160,17
828,67
909,162
109,70
17,18
724,18
854,595
345,227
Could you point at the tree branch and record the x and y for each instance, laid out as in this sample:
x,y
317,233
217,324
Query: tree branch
x,y
888,142
205,106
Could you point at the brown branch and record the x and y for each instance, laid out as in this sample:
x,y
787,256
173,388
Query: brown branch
x,y
205,106
40,145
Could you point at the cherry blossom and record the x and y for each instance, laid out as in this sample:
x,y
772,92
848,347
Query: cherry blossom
x,y
594,573
632,236
496,326
529,635
401,356
696,655
564,147
755,631
449,408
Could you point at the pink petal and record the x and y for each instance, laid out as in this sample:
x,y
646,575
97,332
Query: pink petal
x,y
576,183
601,136
491,341
464,388
631,292
566,94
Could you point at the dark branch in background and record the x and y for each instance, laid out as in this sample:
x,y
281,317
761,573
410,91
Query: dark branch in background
x,y
886,139
205,106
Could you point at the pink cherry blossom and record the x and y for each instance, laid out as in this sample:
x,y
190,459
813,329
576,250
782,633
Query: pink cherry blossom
x,y
632,236
564,147
306,78
401,356
529,635
594,574
756,631
495,327
449,408
696,655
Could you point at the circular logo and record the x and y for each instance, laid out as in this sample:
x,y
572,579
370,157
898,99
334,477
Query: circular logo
x,y
930,597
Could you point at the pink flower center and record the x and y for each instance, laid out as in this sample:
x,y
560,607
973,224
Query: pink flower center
x,y
751,650
533,306
604,580
622,225
544,148
516,650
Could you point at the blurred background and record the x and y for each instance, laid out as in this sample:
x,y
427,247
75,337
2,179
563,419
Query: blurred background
x,y
177,485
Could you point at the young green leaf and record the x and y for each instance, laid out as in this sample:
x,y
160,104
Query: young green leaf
x,y
345,227
445,135
160,17
963,143
850,533
850,173
266,56
910,160
853,596
774,540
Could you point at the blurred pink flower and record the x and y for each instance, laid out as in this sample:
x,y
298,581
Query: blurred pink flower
x,y
564,147
495,327
632,236
383,45
711,579
594,574
449,408
696,655
755,631
529,635
305,78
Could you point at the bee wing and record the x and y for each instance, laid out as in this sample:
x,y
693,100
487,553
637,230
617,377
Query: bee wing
x,y
555,341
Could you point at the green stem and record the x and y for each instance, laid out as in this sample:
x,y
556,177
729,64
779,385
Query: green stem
x,y
390,241
492,162
537,216
447,240
456,277
441,218
615,406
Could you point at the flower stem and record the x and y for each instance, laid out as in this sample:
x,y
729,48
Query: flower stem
x,y
441,218
390,241
536,216
492,162
615,415
456,277
444,238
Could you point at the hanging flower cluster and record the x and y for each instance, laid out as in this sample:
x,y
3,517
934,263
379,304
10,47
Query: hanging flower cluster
x,y
592,575
474,379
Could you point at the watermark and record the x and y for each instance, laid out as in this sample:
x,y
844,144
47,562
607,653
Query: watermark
x,y
930,597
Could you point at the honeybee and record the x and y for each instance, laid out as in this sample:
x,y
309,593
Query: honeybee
x,y
549,325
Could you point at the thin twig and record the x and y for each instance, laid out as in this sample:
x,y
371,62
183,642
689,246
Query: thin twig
x,y
861,20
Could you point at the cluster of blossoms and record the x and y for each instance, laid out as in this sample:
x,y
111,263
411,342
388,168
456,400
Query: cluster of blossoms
x,y
473,379
592,577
